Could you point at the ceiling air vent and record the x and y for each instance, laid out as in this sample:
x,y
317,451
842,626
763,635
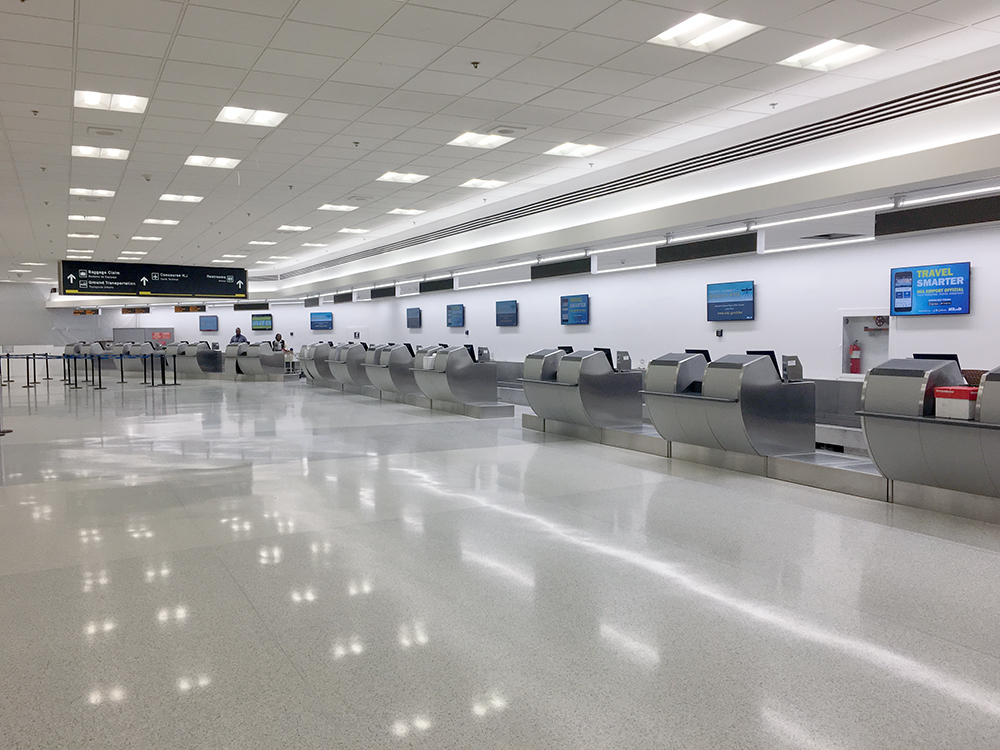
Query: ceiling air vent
x,y
103,131
833,236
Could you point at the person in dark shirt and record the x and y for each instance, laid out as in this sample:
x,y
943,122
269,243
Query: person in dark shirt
x,y
239,338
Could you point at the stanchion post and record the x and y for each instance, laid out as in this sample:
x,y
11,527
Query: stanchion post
x,y
34,369
163,369
143,357
47,366
10,375
121,362
27,373
2,430
76,375
175,369
100,376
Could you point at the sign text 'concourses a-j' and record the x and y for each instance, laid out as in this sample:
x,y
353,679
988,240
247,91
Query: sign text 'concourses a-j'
x,y
144,280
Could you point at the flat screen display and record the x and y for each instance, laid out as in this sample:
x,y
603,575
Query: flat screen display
x,y
575,310
414,319
456,316
208,322
507,313
321,321
931,290
260,322
731,301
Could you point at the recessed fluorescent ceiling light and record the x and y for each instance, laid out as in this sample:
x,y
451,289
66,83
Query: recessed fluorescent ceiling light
x,y
147,239
261,242
346,230
113,102
94,152
233,255
575,149
484,184
132,252
77,217
182,198
332,207
79,257
223,261
400,177
705,33
219,162
74,250
75,236
830,56
265,262
293,228
166,222
29,263
407,212
313,244
475,140
280,257
92,193
262,117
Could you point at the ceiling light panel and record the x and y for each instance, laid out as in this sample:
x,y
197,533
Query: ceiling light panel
x,y
233,255
220,260
313,244
112,102
408,178
133,252
406,212
92,193
182,198
147,239
76,236
30,263
830,56
217,162
705,33
93,152
575,149
293,228
261,242
333,207
265,262
77,217
280,257
483,184
476,140
165,222
347,230
261,117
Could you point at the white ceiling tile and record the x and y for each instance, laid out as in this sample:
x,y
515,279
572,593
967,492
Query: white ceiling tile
x,y
830,84
773,77
189,49
965,12
643,128
770,46
480,109
12,92
407,53
201,74
838,18
42,55
666,89
186,110
907,5
888,65
276,8
386,116
720,97
333,110
901,32
516,38
585,48
179,92
374,74
510,91
409,100
144,15
361,16
715,69
431,25
111,63
565,99
531,114
690,132
608,81
653,59
110,39
536,70
626,106
634,21
21,27
436,82
955,44
488,64
556,15
677,113
228,26
590,121
274,83
29,75
764,13
779,99
350,93
164,122
297,64
318,40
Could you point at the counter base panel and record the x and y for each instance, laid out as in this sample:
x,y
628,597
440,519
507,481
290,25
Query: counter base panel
x,y
366,390
333,385
417,399
475,411
952,502
643,439
744,463
857,483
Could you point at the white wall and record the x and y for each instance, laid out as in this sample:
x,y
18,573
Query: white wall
x,y
802,298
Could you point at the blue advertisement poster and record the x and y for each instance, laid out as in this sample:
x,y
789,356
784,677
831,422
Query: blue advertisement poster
x,y
321,321
730,301
575,310
507,313
456,316
931,290
413,317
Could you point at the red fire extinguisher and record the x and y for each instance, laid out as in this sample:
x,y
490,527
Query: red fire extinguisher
x,y
855,358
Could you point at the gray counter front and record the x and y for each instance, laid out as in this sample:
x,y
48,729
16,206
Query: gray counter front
x,y
390,369
449,374
347,364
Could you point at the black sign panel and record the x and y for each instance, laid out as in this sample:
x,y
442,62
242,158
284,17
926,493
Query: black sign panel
x,y
189,308
134,310
143,280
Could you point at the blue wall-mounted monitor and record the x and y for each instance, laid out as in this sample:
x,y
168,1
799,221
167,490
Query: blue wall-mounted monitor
x,y
507,313
731,301
208,323
931,290
413,317
321,321
575,310
261,322
456,316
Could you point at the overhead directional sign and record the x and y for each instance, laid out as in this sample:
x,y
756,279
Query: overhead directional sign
x,y
85,277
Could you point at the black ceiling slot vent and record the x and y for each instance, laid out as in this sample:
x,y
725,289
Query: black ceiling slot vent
x,y
386,291
241,306
560,268
438,285
339,299
713,248
832,236
894,109
311,302
940,216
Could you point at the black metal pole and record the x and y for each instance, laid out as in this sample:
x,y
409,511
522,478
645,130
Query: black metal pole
x,y
86,369
76,375
1,374
100,375
47,368
34,369
121,361
175,369
143,358
9,379
27,373
163,369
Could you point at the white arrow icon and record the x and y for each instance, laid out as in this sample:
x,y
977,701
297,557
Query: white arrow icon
x,y
71,278
239,284
144,280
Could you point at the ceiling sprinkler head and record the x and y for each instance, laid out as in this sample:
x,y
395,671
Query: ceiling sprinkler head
x,y
475,64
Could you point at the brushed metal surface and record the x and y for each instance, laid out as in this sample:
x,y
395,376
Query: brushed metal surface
x,y
391,370
347,364
233,353
988,413
455,378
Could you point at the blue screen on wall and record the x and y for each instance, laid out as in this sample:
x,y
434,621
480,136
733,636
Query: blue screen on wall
x,y
931,290
731,301
208,323
507,313
575,310
456,316
321,321
413,317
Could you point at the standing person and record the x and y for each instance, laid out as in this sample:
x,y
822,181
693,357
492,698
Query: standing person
x,y
279,343
239,338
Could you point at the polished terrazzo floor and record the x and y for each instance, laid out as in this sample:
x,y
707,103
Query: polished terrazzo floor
x,y
223,565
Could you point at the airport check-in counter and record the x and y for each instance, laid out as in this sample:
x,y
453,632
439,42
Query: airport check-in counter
x,y
207,359
347,364
234,353
909,443
390,369
582,389
133,351
450,374
737,403
261,360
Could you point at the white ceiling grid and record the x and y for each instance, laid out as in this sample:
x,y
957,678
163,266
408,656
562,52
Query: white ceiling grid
x,y
384,85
